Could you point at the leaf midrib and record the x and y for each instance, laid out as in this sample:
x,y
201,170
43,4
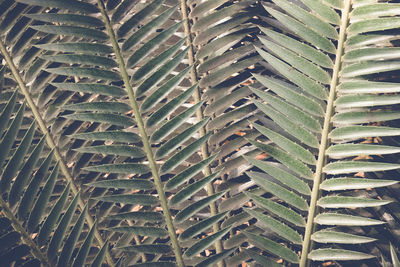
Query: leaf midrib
x,y
144,136
322,158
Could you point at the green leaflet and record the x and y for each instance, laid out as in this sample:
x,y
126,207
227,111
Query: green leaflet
x,y
218,76
17,159
25,173
337,254
282,193
161,92
366,100
298,78
336,184
157,61
135,199
72,31
119,150
376,10
157,76
349,202
187,212
369,67
201,226
228,56
10,135
393,253
8,109
84,250
94,88
206,21
288,125
191,189
309,19
72,5
99,106
286,159
300,48
133,21
141,184
147,29
140,230
116,136
370,25
172,124
86,72
144,248
70,243
365,54
324,11
188,173
261,259
297,62
137,215
41,202
289,146
151,45
213,47
330,236
302,118
114,119
276,226
82,59
300,100
205,242
344,220
122,10
356,132
343,167
178,140
29,195
273,247
176,159
348,150
98,260
53,217
236,21
205,7
72,19
359,117
212,260
62,227
281,175
81,47
303,31
278,209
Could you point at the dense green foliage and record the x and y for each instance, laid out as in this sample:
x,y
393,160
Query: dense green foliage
x,y
199,132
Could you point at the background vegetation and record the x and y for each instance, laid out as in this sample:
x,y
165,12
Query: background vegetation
x,y
199,132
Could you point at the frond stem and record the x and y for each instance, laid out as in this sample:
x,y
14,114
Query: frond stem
x,y
50,142
145,139
200,116
35,250
322,159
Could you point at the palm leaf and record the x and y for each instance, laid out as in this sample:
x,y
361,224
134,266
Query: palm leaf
x,y
306,148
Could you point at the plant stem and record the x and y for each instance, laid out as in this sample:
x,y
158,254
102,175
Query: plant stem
x,y
322,159
50,142
145,139
199,114
35,250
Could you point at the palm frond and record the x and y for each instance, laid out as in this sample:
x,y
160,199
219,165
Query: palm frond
x,y
316,153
